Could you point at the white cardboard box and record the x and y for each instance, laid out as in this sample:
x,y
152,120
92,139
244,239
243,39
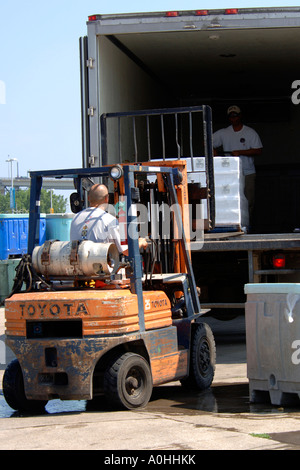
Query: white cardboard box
x,y
230,201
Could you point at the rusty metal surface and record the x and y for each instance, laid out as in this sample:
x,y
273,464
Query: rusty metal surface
x,y
76,359
70,375
167,362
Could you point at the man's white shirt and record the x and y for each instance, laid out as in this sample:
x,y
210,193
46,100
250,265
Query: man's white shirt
x,y
245,139
94,224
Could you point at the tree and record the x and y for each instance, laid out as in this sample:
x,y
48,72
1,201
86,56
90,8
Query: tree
x,y
59,203
4,203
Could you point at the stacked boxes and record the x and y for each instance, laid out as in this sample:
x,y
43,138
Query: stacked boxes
x,y
230,202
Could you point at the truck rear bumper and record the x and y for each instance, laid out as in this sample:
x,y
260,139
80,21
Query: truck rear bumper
x,y
59,368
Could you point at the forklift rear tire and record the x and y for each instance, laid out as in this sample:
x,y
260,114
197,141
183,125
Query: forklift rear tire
x,y
202,359
14,392
128,381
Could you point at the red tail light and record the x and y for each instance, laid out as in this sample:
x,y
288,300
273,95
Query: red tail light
x,y
92,18
231,11
201,12
172,13
279,261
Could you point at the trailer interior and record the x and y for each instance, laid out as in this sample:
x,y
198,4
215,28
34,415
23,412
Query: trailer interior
x,y
248,58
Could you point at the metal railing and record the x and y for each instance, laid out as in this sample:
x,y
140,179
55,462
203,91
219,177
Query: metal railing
x,y
176,133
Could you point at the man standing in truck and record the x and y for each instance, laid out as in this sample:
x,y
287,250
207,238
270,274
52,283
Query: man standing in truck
x,y
241,141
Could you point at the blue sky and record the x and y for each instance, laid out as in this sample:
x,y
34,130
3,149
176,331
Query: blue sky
x,y
40,121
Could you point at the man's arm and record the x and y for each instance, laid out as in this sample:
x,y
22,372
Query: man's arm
x,y
142,244
247,153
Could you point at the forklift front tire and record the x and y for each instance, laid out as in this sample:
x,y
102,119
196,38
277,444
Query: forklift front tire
x,y
14,392
202,358
128,381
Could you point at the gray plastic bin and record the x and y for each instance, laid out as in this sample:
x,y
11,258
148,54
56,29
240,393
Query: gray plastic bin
x,y
273,342
7,275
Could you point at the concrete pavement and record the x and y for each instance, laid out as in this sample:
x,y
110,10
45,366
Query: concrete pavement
x,y
218,419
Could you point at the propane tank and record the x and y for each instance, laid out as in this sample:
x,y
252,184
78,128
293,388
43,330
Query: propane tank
x,y
84,258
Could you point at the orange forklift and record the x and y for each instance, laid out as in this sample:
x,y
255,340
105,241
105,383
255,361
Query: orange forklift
x,y
80,329
86,323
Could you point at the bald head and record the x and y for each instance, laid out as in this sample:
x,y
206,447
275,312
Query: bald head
x,y
98,195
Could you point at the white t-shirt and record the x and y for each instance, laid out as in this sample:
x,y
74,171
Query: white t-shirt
x,y
94,224
245,139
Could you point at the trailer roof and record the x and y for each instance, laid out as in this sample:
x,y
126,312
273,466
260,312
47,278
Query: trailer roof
x,y
199,12
208,48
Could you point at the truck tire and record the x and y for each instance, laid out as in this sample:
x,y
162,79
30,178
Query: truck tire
x,y
202,358
128,381
14,392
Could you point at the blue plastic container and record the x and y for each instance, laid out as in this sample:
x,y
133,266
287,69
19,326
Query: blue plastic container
x,y
58,226
14,234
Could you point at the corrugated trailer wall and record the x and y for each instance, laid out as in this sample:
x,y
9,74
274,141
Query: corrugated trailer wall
x,y
119,75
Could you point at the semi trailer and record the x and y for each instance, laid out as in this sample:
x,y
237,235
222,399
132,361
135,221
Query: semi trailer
x,y
215,58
